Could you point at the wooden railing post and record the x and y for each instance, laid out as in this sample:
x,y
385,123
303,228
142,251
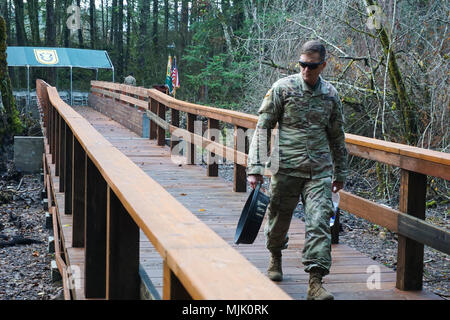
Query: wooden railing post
x,y
55,138
95,232
48,121
68,171
335,228
52,129
175,115
57,142
172,287
190,147
153,107
122,252
78,193
240,176
161,133
410,253
62,154
213,168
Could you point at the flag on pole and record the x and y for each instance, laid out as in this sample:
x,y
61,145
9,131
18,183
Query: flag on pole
x,y
168,83
175,78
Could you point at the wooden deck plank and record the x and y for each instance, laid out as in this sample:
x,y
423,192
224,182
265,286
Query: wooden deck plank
x,y
212,200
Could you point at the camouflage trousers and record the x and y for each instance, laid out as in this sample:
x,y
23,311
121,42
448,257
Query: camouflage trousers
x,y
285,192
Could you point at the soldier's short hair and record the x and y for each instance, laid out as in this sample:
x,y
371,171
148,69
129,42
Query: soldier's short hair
x,y
314,46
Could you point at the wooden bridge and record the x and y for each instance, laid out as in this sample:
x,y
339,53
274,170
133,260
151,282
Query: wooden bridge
x,y
130,222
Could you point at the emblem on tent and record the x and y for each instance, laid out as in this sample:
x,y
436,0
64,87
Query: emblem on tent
x,y
46,56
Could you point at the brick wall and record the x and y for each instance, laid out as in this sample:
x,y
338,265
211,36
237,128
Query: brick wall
x,y
126,115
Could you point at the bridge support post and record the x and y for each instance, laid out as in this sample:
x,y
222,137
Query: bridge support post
x,y
190,147
161,133
48,123
57,143
175,120
213,168
95,232
53,132
410,253
240,144
78,193
49,128
68,171
153,107
335,228
122,252
62,154
172,287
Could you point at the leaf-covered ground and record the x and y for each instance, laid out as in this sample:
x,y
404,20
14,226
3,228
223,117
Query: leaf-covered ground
x,y
24,268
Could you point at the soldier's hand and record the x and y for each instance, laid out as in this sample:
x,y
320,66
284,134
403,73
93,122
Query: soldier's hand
x,y
337,185
254,179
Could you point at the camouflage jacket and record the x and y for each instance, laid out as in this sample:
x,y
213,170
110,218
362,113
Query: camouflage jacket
x,y
310,125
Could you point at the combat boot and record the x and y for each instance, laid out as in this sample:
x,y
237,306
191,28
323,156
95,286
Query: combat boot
x,y
274,271
315,289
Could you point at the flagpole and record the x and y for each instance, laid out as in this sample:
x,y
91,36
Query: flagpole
x,y
174,86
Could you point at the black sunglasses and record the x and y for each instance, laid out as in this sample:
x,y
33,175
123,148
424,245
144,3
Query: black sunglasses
x,y
311,65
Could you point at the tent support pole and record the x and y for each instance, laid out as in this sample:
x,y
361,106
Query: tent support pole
x,y
28,87
71,93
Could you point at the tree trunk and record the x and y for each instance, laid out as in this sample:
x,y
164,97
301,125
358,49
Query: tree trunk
x,y
184,26
113,21
4,12
59,15
66,31
20,23
238,14
103,22
10,123
119,41
92,22
50,37
194,12
34,21
80,31
175,16
408,110
176,25
50,30
166,26
142,44
155,25
130,7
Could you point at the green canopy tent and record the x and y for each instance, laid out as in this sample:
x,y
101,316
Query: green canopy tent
x,y
58,57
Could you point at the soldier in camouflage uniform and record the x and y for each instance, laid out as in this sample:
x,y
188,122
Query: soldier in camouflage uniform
x,y
311,139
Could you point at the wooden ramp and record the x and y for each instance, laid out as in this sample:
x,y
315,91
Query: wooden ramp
x,y
214,202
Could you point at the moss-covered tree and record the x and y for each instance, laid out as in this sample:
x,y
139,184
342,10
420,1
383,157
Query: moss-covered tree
x,y
10,123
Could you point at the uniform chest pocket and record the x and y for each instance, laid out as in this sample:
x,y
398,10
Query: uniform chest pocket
x,y
296,107
319,113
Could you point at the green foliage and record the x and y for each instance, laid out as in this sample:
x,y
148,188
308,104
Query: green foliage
x,y
221,74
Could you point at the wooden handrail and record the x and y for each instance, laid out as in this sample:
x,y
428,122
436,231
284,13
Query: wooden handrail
x,y
428,162
233,117
205,265
415,164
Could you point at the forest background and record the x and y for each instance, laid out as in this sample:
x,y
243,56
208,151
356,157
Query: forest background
x,y
388,59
